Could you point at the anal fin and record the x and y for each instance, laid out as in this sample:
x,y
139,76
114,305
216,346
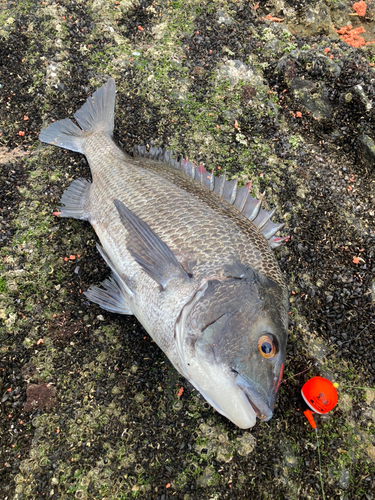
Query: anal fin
x,y
111,297
74,199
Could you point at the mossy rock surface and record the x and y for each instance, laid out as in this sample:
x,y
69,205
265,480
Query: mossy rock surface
x,y
270,92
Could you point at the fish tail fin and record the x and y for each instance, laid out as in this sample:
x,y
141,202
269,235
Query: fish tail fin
x,y
98,112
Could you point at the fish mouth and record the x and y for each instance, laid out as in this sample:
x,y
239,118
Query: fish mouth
x,y
260,407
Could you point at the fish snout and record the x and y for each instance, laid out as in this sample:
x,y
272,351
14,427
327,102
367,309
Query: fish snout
x,y
255,399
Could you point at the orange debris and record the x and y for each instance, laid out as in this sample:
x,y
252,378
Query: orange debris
x,y
351,36
275,19
355,260
326,50
180,392
298,114
360,8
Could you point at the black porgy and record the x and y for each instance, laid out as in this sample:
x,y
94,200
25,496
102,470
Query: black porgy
x,y
191,257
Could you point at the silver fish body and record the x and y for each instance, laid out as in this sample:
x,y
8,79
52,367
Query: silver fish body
x,y
186,261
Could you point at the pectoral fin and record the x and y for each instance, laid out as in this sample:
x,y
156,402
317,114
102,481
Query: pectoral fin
x,y
151,253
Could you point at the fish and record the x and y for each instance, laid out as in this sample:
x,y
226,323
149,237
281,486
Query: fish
x,y
191,258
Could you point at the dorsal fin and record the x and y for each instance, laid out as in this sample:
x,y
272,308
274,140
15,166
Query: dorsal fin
x,y
239,197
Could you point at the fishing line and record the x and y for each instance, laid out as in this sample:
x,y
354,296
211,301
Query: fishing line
x,y
320,464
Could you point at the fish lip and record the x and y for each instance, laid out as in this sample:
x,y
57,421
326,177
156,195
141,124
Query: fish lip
x,y
260,407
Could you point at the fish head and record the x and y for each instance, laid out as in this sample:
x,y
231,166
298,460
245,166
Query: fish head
x,y
235,339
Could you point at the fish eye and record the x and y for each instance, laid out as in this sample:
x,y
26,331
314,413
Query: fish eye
x,y
267,346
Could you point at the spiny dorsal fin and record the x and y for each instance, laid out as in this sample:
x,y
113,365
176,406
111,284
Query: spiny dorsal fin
x,y
227,190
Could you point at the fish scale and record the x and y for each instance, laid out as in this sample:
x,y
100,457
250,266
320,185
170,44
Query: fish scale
x,y
155,192
191,258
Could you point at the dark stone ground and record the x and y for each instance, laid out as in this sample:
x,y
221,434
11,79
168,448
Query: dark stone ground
x,y
89,406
